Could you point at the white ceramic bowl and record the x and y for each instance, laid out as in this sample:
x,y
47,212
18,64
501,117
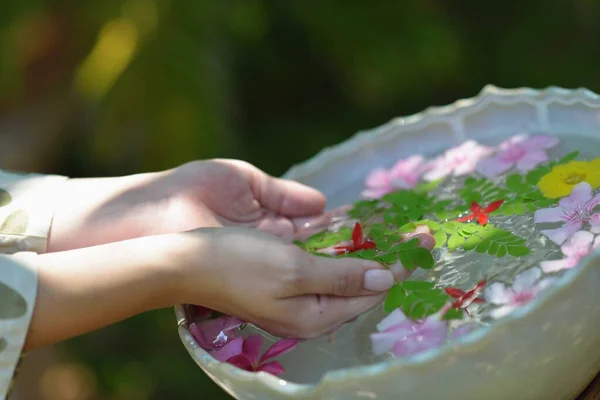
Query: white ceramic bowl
x,y
548,349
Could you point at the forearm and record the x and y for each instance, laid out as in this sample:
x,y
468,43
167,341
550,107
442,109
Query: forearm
x,y
86,289
103,210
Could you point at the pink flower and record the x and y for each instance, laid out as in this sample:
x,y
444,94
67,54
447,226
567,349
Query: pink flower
x,y
405,174
524,152
460,160
249,359
217,336
575,248
404,337
573,211
525,287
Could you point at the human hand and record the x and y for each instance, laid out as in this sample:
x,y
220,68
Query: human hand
x,y
273,284
198,194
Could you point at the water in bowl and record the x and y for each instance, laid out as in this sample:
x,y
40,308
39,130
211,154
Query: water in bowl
x,y
351,345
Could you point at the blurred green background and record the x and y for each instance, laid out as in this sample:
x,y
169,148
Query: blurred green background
x,y
111,87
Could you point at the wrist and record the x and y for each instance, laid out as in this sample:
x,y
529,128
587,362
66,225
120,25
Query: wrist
x,y
97,211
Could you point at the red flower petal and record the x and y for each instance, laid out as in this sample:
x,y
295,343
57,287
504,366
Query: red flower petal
x,y
273,368
252,346
279,348
455,292
367,244
493,206
241,361
466,218
482,219
357,235
475,207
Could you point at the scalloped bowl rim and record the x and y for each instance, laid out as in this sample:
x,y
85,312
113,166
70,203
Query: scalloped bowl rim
x,y
336,376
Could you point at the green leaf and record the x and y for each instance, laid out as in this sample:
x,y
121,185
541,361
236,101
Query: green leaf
x,y
396,298
501,251
407,228
455,241
326,239
483,247
518,251
569,157
440,238
433,225
363,208
428,186
453,313
423,258
515,183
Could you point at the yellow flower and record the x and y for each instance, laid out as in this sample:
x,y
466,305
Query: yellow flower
x,y
561,180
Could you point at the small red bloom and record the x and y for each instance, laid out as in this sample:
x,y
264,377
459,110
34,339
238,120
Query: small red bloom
x,y
465,299
479,213
358,242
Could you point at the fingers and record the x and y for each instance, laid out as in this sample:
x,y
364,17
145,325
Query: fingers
x,y
306,227
339,277
285,197
318,315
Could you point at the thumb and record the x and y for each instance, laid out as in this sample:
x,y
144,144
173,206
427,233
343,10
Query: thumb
x,y
341,277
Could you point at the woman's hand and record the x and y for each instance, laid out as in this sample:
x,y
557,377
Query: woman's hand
x,y
274,284
198,194
238,271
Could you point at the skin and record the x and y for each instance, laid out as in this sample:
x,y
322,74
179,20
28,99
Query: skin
x,y
213,233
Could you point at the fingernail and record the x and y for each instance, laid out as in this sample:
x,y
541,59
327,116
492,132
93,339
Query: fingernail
x,y
378,280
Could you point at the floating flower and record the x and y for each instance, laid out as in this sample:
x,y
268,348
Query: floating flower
x,y
405,174
573,212
575,248
525,287
465,299
214,334
561,180
250,360
459,161
404,337
479,213
358,242
521,151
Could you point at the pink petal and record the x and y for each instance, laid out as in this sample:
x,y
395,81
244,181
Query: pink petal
x,y
559,235
464,329
492,167
581,194
279,348
512,141
394,318
578,245
252,347
531,160
241,361
409,166
497,293
273,368
540,142
466,167
378,178
421,342
554,214
438,171
383,342
526,280
231,349
558,265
